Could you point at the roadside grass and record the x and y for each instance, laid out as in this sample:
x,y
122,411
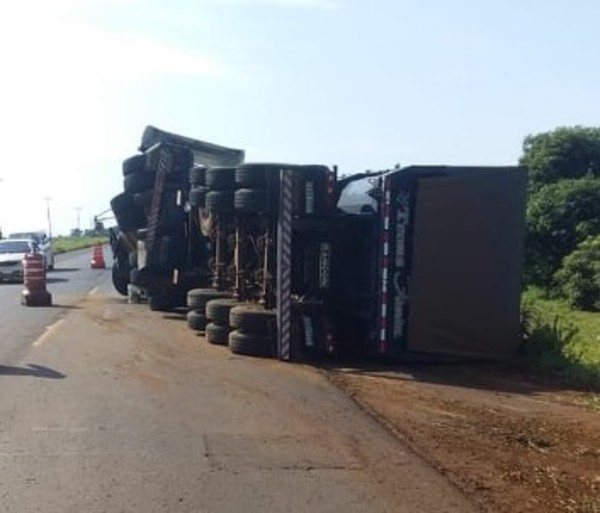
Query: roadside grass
x,y
559,342
65,244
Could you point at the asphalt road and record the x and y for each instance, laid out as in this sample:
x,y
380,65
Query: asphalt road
x,y
108,407
68,283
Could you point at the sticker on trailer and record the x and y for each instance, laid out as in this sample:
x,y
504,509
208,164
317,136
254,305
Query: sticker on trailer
x,y
402,212
309,205
402,220
400,300
324,265
384,265
309,332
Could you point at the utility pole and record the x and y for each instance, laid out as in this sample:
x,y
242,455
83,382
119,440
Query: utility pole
x,y
47,200
78,210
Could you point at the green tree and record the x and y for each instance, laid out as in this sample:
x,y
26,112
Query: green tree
x,y
559,217
563,153
579,277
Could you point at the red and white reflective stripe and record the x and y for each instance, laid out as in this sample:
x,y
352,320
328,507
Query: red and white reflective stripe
x,y
385,242
386,214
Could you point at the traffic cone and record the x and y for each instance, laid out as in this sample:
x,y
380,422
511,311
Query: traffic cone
x,y
34,281
98,257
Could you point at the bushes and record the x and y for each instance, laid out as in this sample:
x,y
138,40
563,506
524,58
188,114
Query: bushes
x,y
579,277
559,343
559,217
563,208
562,254
564,153
65,244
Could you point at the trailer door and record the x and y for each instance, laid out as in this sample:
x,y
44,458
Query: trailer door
x,y
466,263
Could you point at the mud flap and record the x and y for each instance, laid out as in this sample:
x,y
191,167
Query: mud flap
x,y
314,336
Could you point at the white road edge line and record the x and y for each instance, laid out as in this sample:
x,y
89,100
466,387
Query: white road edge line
x,y
49,330
93,291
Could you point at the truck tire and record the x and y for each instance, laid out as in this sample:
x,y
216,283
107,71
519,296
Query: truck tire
x,y
220,202
196,320
255,176
138,182
253,319
217,310
162,302
197,197
197,298
220,178
251,344
135,164
131,221
122,202
217,334
128,215
253,201
143,199
196,175
120,279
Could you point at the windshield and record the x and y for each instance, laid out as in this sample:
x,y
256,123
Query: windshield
x,y
14,246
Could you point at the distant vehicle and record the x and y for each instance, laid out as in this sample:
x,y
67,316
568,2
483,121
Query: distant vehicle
x,y
12,253
43,243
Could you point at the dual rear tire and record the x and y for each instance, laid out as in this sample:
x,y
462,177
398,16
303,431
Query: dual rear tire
x,y
254,331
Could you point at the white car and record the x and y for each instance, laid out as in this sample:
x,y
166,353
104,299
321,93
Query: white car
x,y
44,245
12,252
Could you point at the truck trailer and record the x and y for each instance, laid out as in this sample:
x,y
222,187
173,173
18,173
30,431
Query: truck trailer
x,y
433,259
293,261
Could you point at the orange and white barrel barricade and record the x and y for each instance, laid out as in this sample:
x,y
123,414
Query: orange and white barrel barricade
x,y
97,261
34,281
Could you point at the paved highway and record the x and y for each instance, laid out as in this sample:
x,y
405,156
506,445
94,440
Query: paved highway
x,y
109,407
68,283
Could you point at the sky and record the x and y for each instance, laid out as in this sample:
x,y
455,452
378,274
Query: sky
x,y
362,85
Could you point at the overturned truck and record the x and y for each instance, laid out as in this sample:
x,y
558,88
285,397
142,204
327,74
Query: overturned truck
x,y
293,261
161,248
